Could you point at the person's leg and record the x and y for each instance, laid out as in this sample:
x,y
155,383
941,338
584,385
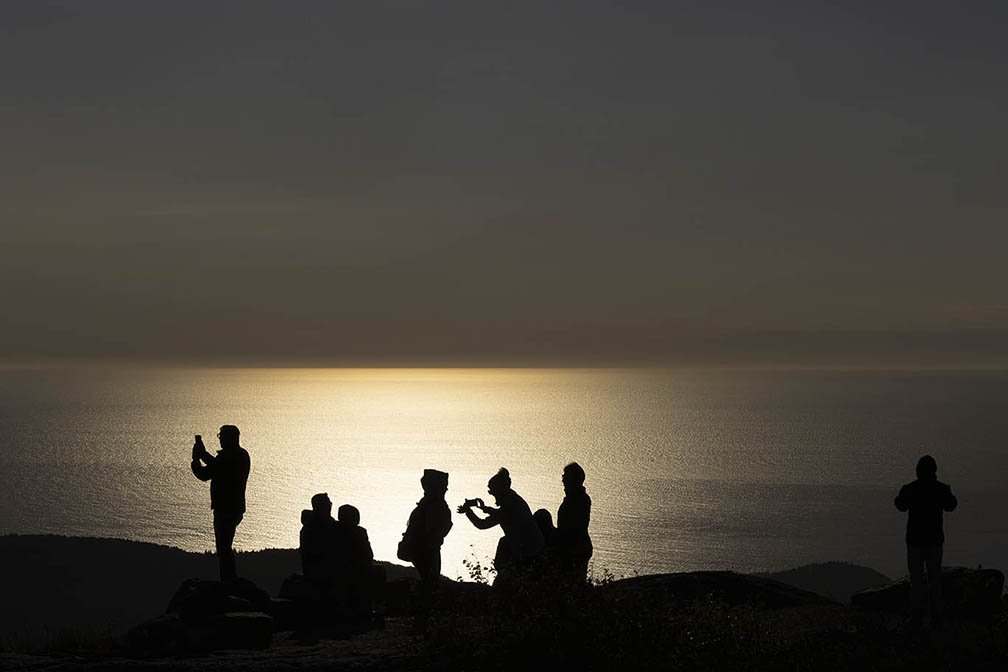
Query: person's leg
x,y
224,533
422,564
918,589
933,560
581,571
428,565
434,569
504,563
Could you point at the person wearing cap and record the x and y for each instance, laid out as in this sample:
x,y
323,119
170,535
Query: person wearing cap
x,y
428,525
228,473
924,500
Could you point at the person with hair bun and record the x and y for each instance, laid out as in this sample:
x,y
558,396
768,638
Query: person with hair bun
x,y
522,541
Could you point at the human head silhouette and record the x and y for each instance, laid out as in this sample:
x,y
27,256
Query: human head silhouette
x,y
321,504
348,515
228,437
573,475
544,519
927,468
434,482
499,483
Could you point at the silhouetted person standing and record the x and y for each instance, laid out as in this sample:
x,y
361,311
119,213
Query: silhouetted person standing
x,y
925,499
573,545
522,540
428,525
228,472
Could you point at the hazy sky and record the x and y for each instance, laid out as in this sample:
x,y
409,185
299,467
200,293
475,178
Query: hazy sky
x,y
501,182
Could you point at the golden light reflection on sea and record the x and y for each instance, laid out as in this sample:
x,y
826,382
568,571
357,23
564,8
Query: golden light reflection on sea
x,y
686,469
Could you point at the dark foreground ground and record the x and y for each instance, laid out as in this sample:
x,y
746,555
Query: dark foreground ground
x,y
68,601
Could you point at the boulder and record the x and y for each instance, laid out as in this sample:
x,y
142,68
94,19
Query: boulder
x,y
284,613
835,580
197,599
965,592
162,634
731,587
207,615
296,587
241,630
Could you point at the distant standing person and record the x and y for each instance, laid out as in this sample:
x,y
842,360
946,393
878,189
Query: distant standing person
x,y
228,472
573,545
925,499
428,525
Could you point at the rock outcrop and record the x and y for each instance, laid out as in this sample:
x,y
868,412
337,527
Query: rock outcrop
x,y
835,580
209,615
966,593
731,587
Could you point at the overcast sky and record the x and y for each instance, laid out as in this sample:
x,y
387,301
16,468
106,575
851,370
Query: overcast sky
x,y
504,182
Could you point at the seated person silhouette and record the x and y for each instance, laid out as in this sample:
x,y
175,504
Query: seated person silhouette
x,y
924,500
522,542
364,578
358,546
544,520
320,545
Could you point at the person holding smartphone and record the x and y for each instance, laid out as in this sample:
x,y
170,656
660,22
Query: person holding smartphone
x,y
522,542
228,473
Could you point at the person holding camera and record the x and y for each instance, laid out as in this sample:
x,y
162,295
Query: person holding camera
x,y
522,541
228,473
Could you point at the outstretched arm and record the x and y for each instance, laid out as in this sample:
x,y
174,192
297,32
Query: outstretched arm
x,y
493,518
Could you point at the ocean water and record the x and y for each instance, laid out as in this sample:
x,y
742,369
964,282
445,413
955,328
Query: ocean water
x,y
686,469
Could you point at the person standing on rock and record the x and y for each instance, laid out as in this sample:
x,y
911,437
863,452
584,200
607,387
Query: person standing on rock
x,y
924,500
228,473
